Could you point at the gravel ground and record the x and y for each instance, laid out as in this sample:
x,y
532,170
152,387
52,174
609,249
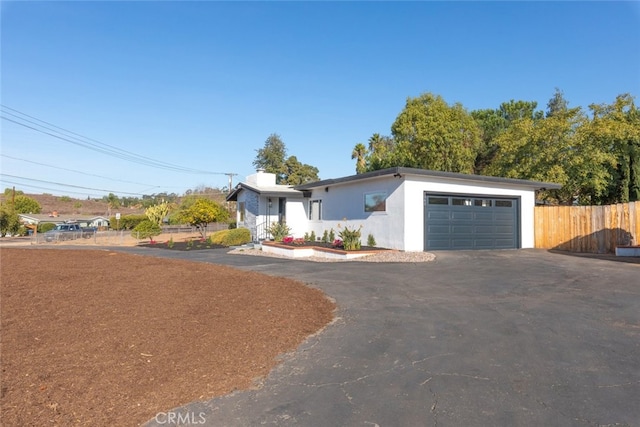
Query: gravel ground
x,y
383,256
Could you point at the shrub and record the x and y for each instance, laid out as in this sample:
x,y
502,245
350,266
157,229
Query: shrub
x,y
325,237
371,241
44,227
127,222
170,243
350,238
306,237
312,236
332,235
233,237
278,231
146,229
232,225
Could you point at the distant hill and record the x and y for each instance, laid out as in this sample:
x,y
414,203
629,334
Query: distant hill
x,y
64,205
70,206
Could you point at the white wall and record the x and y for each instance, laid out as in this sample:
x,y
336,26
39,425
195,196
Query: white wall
x,y
343,205
415,188
297,216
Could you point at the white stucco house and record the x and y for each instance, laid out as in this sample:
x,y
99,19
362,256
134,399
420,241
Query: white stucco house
x,y
403,208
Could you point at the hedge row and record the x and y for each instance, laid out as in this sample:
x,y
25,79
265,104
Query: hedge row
x,y
233,237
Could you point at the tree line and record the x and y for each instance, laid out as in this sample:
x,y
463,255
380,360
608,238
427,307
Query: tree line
x,y
595,156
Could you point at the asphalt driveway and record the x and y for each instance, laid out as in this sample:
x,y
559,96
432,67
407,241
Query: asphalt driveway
x,y
485,338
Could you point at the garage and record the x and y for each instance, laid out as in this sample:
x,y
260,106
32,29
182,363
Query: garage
x,y
455,221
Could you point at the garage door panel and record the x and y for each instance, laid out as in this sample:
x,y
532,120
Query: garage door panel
x,y
438,229
504,216
484,230
439,243
461,215
471,222
435,215
483,216
462,243
483,244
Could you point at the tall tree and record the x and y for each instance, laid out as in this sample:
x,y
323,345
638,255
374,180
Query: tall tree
x,y
297,173
557,104
381,154
288,170
493,122
616,127
25,204
556,148
431,134
272,156
359,153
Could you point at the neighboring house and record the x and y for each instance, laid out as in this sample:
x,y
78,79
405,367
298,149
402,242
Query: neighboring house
x,y
403,208
83,220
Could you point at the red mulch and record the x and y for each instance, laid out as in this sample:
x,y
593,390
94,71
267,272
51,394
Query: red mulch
x,y
98,338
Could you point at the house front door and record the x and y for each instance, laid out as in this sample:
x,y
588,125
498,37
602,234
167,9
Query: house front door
x,y
282,210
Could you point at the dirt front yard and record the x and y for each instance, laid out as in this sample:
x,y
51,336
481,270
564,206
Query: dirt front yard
x,y
96,337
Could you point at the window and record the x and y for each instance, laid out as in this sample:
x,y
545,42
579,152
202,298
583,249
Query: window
x,y
438,200
485,203
461,202
241,208
503,203
375,202
315,210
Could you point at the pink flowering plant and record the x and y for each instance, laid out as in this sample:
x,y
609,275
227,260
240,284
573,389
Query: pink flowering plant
x,y
287,240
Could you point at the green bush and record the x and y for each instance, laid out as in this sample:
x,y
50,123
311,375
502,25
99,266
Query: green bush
x,y
325,237
350,238
312,236
127,222
278,231
146,230
233,237
371,241
46,226
232,225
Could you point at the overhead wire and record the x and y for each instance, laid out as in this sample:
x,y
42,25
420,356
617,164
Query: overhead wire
x,y
45,188
33,123
80,172
68,185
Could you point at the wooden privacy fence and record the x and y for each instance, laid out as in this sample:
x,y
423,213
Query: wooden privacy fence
x,y
592,229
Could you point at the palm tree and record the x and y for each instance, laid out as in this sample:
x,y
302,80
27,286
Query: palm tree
x,y
359,153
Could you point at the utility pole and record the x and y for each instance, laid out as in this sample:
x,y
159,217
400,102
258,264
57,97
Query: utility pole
x,y
231,175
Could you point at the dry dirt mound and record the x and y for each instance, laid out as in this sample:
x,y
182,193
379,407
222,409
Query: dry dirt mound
x,y
105,338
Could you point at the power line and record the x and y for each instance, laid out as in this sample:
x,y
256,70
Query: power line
x,y
52,130
79,172
70,185
42,188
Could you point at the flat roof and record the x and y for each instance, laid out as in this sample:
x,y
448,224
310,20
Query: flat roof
x,y
401,171
271,190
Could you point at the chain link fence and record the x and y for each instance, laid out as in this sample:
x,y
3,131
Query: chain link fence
x,y
116,237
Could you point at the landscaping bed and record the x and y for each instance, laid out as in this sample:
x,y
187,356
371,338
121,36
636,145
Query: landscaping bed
x,y
194,245
304,249
96,337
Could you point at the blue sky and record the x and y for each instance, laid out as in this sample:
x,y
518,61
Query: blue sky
x,y
201,85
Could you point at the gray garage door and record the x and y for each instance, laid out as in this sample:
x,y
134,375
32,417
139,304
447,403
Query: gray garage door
x,y
470,222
